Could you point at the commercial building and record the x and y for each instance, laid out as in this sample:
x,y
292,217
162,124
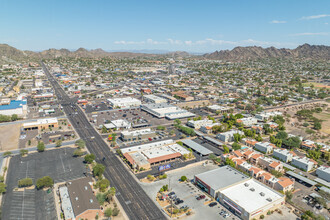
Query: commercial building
x,y
162,110
323,172
137,134
218,108
212,181
10,107
251,199
229,135
245,197
264,147
264,116
283,155
199,123
83,201
147,155
127,102
248,121
118,124
302,163
154,99
44,123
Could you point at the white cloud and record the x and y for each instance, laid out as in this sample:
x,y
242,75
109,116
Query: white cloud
x,y
311,34
122,42
176,42
315,17
277,22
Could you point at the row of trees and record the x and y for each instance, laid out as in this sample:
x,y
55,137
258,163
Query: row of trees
x,y
7,118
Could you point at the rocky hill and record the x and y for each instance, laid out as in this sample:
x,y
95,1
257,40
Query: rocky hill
x,y
254,52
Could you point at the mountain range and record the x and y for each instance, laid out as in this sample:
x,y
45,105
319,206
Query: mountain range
x,y
237,54
244,53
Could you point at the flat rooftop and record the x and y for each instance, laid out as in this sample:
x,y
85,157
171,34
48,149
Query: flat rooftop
x,y
251,195
222,177
196,147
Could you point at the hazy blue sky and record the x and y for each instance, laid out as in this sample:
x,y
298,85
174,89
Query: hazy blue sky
x,y
197,26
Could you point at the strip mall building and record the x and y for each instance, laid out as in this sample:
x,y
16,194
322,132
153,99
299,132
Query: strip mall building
x,y
245,197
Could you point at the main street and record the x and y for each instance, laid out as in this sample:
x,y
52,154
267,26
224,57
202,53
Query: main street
x,y
131,196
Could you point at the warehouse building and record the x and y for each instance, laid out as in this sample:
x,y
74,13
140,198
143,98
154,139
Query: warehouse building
x,y
137,134
245,197
154,99
147,155
44,123
10,107
127,102
162,110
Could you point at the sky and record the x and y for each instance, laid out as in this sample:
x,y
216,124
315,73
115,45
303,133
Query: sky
x,y
172,25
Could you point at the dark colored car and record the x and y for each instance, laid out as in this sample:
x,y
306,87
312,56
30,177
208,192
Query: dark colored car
x,y
212,204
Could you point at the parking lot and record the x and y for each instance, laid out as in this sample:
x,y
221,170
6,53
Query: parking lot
x,y
135,116
38,204
188,192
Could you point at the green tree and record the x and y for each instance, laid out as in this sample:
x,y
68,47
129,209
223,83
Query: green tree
x,y
89,158
80,143
103,184
77,153
45,181
225,149
108,212
183,178
230,162
41,146
98,170
58,143
317,126
3,187
115,211
14,117
236,146
100,198
259,138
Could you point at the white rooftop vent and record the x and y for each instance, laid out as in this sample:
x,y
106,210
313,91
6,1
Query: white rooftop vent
x,y
262,194
252,189
246,184
269,199
86,188
91,200
76,198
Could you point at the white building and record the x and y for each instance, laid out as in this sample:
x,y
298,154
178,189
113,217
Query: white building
x,y
127,102
248,121
264,147
154,99
283,155
120,123
302,163
10,107
266,115
199,123
323,173
229,135
162,110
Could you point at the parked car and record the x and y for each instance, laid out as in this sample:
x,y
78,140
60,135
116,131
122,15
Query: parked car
x,y
212,204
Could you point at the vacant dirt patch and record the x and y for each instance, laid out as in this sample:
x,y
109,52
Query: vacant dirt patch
x,y
325,116
9,136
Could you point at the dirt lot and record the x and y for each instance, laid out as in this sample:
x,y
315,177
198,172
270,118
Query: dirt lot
x,y
9,136
325,116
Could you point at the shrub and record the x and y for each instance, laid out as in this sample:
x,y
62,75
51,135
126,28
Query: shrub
x,y
89,158
41,146
108,212
98,170
184,178
115,211
25,182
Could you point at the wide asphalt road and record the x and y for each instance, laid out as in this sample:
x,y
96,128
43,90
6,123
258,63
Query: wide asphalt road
x,y
131,196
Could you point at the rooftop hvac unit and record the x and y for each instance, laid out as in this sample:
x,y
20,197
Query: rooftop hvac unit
x,y
269,199
252,189
246,184
262,194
